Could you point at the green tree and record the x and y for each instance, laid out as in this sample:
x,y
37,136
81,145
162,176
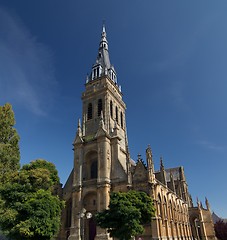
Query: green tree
x,y
28,209
126,214
9,143
43,164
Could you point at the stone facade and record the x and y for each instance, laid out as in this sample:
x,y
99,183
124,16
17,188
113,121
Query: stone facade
x,y
102,164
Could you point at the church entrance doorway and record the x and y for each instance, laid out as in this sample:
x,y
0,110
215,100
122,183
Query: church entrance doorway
x,y
92,229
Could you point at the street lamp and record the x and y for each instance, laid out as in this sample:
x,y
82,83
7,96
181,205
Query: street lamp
x,y
84,215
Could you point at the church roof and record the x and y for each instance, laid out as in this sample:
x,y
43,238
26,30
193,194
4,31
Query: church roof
x,y
68,185
216,218
176,173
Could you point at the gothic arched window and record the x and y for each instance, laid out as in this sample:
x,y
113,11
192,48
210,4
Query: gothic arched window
x,y
111,108
89,111
116,111
159,207
99,107
121,119
165,209
94,169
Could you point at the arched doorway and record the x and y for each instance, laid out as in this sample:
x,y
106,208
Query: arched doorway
x,y
90,204
92,229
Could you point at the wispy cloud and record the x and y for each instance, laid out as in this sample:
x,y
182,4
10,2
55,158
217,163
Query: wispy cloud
x,y
26,66
211,145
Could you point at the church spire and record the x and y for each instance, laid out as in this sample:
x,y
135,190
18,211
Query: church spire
x,y
207,204
103,42
102,66
150,164
162,171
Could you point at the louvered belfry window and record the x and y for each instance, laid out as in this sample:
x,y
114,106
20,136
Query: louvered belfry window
x,y
111,108
89,111
122,120
116,114
99,107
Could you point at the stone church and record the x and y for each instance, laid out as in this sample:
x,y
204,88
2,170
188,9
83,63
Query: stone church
x,y
102,164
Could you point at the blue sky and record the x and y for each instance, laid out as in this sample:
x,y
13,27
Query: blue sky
x,y
170,58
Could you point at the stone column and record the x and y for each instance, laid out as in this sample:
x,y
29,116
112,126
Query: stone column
x,y
103,202
75,230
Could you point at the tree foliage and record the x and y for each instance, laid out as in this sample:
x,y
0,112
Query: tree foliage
x,y
9,143
28,209
43,164
220,228
126,214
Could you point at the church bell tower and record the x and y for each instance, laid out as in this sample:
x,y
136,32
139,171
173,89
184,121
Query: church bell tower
x,y
101,157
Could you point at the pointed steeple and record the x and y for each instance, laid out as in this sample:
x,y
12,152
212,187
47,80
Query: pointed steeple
x,y
181,171
78,138
207,204
162,171
198,203
150,164
161,164
190,201
102,66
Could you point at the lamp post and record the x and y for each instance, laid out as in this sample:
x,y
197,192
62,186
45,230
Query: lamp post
x,y
84,215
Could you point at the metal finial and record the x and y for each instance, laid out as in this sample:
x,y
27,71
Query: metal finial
x,y
103,26
139,157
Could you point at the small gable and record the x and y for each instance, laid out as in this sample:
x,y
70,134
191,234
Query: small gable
x,y
140,172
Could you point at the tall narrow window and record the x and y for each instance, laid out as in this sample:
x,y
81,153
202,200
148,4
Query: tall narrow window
x,y
111,108
159,207
99,107
94,169
98,72
121,119
165,209
116,114
170,210
89,111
